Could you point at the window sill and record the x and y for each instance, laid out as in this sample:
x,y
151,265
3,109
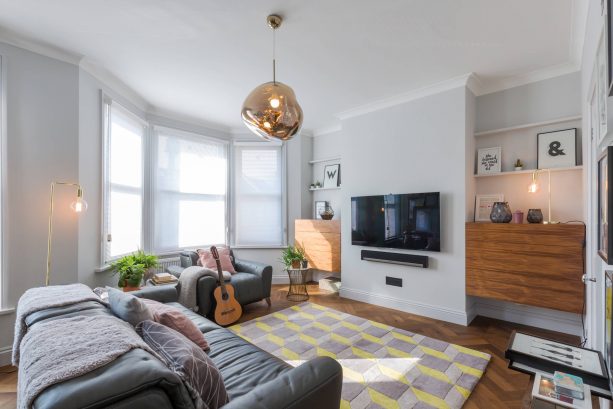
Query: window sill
x,y
246,247
103,269
7,311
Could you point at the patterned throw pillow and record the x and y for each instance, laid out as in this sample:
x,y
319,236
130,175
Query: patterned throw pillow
x,y
205,259
175,319
128,307
198,372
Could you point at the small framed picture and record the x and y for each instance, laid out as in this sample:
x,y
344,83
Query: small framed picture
x,y
320,206
605,169
489,160
483,206
557,149
332,175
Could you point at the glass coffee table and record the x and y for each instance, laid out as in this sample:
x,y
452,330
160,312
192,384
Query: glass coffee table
x,y
297,284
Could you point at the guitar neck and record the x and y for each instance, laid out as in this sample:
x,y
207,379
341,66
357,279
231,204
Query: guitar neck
x,y
222,282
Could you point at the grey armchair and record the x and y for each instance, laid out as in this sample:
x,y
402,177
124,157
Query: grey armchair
x,y
251,282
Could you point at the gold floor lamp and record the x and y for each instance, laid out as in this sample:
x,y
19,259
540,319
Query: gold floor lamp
x,y
534,187
78,206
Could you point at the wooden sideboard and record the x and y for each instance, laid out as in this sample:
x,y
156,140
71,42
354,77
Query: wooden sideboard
x,y
533,264
321,241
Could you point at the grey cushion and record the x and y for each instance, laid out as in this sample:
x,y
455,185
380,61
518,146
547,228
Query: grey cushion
x,y
182,356
128,307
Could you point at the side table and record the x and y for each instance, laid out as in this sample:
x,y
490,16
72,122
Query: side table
x,y
297,284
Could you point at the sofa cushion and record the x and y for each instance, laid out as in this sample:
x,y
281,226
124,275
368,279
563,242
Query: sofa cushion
x,y
128,307
206,259
185,358
173,318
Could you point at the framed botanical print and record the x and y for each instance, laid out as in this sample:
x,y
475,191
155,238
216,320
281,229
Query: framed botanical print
x,y
605,211
489,160
557,149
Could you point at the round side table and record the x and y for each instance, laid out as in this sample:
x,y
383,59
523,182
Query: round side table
x,y
297,284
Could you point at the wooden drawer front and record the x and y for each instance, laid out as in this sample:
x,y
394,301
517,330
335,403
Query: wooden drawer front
x,y
321,241
539,265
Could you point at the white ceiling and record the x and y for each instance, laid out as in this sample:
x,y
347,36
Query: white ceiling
x,y
200,58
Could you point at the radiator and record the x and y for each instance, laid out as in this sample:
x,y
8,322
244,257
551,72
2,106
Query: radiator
x,y
164,263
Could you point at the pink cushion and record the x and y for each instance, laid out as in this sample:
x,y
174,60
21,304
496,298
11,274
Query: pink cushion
x,y
173,318
205,259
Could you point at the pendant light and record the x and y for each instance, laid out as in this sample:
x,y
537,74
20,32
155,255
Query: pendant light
x,y
271,110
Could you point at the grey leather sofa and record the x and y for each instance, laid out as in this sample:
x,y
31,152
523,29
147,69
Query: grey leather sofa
x,y
251,282
253,378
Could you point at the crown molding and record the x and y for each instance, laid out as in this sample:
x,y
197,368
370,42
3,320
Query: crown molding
x,y
39,47
327,130
418,93
495,85
99,72
162,116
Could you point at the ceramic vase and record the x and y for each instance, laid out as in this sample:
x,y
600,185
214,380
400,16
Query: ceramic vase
x,y
501,213
535,216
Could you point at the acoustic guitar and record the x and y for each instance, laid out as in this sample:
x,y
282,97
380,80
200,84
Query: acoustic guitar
x,y
227,310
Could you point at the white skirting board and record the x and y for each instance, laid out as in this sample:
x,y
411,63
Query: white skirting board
x,y
6,355
559,321
426,310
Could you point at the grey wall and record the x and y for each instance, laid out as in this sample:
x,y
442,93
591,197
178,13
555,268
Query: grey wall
x,y
402,149
42,146
531,103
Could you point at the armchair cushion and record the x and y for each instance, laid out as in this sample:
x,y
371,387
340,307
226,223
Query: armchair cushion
x,y
206,259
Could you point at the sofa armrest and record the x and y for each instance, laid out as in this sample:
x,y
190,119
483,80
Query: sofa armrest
x,y
314,384
162,293
262,270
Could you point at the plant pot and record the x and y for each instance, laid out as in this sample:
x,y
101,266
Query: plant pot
x,y
130,288
296,264
535,216
304,264
519,167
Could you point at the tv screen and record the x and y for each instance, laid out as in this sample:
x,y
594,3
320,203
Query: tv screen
x,y
408,221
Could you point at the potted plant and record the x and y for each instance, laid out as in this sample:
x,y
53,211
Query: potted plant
x,y
519,165
317,184
132,268
292,256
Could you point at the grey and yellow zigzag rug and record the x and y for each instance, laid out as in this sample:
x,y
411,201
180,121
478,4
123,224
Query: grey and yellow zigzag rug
x,y
383,366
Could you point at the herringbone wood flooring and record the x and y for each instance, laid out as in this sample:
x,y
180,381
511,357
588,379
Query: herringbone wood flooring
x,y
499,388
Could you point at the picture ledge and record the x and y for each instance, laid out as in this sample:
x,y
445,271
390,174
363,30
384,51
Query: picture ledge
x,y
527,171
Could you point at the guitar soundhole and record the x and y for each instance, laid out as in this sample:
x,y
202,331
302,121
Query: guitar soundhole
x,y
225,297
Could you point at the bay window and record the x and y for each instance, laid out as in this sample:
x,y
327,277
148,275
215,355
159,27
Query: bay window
x,y
167,190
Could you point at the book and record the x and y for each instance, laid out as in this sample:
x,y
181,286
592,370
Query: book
x,y
569,385
161,278
544,396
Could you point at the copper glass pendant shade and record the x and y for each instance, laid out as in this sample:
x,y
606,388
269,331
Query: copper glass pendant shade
x,y
271,110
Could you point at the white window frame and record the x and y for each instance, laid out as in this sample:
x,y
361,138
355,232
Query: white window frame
x,y
232,200
106,104
3,185
152,156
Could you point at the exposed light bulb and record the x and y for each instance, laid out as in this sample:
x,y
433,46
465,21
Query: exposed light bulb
x,y
533,187
79,205
275,102
267,125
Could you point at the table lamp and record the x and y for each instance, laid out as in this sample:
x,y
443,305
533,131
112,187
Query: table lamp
x,y
534,187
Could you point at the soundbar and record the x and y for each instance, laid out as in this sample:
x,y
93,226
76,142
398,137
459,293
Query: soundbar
x,y
411,260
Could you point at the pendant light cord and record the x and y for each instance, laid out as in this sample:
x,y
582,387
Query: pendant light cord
x,y
274,61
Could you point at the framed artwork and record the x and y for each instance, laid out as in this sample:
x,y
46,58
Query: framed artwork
x,y
557,149
605,195
609,36
320,206
332,175
608,319
483,206
489,160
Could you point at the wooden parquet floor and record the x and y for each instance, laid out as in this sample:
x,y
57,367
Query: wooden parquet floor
x,y
499,388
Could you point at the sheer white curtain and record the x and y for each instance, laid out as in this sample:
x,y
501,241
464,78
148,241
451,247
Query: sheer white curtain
x,y
123,208
258,194
189,185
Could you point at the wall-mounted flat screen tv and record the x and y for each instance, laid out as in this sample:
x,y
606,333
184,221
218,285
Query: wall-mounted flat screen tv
x,y
409,221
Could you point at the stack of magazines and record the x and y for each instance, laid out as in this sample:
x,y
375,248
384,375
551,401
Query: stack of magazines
x,y
561,391
164,278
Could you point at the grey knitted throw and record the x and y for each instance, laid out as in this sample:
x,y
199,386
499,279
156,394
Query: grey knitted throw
x,y
41,298
58,350
188,284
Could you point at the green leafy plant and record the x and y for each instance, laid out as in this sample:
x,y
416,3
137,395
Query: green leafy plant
x,y
519,163
292,255
132,268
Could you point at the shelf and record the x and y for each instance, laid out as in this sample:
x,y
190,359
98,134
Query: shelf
x,y
532,125
324,188
528,171
314,161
